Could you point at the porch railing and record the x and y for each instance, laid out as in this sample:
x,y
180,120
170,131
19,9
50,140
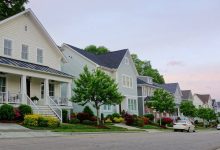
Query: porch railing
x,y
55,108
11,98
61,101
32,104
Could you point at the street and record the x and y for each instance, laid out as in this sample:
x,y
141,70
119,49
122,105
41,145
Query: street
x,y
209,140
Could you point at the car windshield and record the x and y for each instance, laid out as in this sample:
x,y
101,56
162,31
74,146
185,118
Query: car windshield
x,y
181,121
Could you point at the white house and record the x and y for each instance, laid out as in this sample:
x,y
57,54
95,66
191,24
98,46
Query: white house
x,y
30,65
117,64
202,100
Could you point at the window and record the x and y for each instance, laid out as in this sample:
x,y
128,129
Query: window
x,y
2,84
127,81
7,47
39,55
24,52
107,107
132,104
25,28
51,90
126,61
42,90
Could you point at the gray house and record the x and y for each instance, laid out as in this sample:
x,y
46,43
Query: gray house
x,y
174,89
146,89
187,95
117,64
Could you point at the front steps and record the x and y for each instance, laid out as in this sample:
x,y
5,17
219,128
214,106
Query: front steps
x,y
44,110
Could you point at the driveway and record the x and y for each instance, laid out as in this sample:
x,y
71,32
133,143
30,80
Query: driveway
x,y
119,141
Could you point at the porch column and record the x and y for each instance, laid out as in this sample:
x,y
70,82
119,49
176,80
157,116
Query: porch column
x,y
23,89
178,111
69,93
46,91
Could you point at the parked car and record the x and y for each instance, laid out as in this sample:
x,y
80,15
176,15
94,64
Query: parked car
x,y
183,125
218,127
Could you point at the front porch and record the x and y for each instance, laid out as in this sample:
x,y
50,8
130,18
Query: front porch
x,y
21,89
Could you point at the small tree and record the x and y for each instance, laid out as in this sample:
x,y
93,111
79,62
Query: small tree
x,y
9,8
96,50
188,109
207,114
162,101
96,88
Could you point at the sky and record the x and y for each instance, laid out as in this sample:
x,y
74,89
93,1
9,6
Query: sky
x,y
180,38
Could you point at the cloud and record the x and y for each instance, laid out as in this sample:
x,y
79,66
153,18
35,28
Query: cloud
x,y
175,63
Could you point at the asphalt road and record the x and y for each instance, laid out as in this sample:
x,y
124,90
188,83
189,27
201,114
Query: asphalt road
x,y
119,141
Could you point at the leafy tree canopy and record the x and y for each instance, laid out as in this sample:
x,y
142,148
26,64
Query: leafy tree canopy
x,y
144,68
9,8
188,109
206,114
96,88
96,50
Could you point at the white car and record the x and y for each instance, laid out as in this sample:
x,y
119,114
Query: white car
x,y
218,127
183,125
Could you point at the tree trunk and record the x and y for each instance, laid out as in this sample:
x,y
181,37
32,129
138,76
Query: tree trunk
x,y
204,123
97,111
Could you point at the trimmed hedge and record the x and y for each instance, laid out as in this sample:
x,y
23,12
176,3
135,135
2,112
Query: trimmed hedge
x,y
25,110
7,112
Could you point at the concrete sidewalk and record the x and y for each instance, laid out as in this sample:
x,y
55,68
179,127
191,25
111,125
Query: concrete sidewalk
x,y
11,127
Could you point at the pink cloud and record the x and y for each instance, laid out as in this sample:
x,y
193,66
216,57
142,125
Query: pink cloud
x,y
175,63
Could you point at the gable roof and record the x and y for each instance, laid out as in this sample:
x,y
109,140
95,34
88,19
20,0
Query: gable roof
x,y
141,81
186,94
110,60
203,97
170,87
33,16
31,66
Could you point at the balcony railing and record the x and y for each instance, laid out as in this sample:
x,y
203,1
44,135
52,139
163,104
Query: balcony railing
x,y
61,101
11,98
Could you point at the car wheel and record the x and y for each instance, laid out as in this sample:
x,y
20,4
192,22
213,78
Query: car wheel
x,y
182,130
175,130
188,130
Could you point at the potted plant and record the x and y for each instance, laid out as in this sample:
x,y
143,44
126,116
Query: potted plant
x,y
35,99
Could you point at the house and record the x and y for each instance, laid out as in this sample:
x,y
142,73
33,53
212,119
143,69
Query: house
x,y
146,88
117,64
214,105
202,100
175,90
218,106
187,95
30,66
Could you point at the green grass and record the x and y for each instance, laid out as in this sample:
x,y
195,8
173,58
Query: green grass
x,y
151,127
82,128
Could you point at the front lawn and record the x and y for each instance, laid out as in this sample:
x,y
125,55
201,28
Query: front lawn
x,y
82,128
151,127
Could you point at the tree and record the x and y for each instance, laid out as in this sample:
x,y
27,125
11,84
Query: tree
x,y
207,114
96,88
9,8
188,109
144,68
162,101
96,50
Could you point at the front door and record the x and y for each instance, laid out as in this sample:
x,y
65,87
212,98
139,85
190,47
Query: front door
x,y
28,83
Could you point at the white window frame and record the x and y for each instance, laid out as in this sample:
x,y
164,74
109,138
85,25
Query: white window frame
x,y
126,61
52,90
40,58
127,81
109,108
132,104
8,50
24,55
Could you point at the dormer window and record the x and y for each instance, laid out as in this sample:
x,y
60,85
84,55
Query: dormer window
x,y
7,47
126,61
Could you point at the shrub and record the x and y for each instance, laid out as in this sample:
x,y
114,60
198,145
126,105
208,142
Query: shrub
x,y
166,120
140,122
17,114
93,118
88,110
118,120
73,116
25,110
88,122
83,116
150,116
74,121
6,112
108,120
31,120
65,115
146,120
129,120
42,121
117,115
109,117
53,122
